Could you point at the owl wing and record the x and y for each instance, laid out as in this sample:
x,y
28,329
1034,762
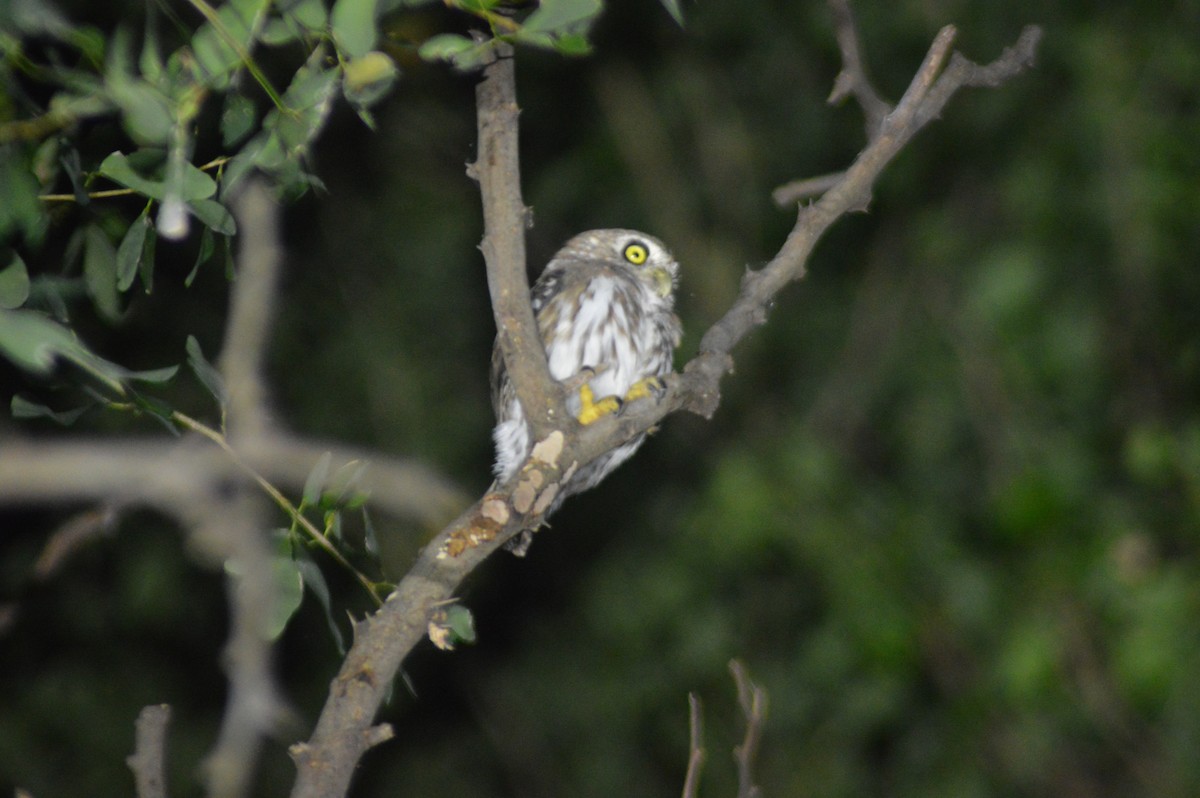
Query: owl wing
x,y
547,287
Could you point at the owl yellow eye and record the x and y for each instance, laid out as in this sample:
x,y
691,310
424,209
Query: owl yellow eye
x,y
636,253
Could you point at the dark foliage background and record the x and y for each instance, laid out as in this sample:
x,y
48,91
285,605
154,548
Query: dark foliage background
x,y
947,512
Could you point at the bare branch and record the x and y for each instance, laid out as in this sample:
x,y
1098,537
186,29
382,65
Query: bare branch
x,y
149,758
497,168
753,701
233,532
69,538
327,761
251,309
964,72
789,194
193,483
691,782
853,79
154,471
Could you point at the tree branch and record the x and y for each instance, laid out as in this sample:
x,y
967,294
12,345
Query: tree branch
x,y
193,483
149,758
753,701
853,79
691,781
251,310
344,732
497,168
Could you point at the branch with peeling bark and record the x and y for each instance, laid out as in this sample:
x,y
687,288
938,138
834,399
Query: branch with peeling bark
x,y
345,731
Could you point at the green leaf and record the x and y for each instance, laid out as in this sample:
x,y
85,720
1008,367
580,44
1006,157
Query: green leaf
x,y
573,44
21,211
461,623
314,580
23,408
157,409
70,162
298,20
310,13
308,99
154,376
129,253
147,262
237,118
289,592
217,42
147,114
209,377
204,252
34,342
354,27
214,215
193,183
561,16
672,7
40,18
14,283
315,483
370,539
344,485
100,272
444,46
367,80
150,62
464,53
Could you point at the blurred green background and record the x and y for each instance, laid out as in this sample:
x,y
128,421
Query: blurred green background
x,y
946,514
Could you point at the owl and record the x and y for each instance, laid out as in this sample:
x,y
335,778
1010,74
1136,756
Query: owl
x,y
605,312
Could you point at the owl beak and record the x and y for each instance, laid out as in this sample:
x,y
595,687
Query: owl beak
x,y
662,281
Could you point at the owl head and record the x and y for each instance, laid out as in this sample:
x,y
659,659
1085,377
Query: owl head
x,y
642,254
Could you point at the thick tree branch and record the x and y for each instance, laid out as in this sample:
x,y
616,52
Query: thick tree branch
x,y
497,168
148,471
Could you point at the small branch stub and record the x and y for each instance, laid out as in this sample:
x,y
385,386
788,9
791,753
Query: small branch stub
x,y
149,759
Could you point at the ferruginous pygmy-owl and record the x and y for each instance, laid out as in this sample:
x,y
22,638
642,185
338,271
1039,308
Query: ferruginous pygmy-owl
x,y
604,304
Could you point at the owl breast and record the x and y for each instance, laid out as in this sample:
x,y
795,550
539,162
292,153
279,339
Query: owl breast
x,y
615,325
602,304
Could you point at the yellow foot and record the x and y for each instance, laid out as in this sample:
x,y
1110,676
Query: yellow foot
x,y
650,386
590,410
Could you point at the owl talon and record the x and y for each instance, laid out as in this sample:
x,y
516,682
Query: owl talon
x,y
591,410
645,388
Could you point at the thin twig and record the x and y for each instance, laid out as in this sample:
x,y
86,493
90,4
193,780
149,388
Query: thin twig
x,y
278,498
853,78
787,195
123,192
753,701
691,782
149,758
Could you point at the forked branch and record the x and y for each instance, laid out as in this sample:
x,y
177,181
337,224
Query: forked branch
x,y
344,731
